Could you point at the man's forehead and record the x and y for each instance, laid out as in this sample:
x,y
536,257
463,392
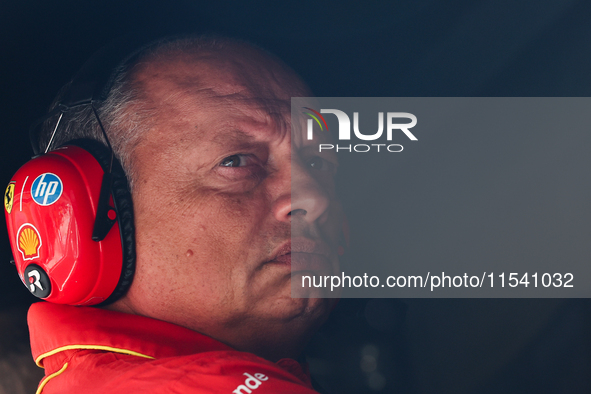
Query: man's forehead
x,y
236,72
248,97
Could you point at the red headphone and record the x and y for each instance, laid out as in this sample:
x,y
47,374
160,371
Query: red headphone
x,y
54,214
69,211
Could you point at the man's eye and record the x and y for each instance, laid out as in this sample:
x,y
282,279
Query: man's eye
x,y
233,161
320,164
317,163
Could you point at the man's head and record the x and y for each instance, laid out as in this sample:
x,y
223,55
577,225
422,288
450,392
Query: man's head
x,y
226,200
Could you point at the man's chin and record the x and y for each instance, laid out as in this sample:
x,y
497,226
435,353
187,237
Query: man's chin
x,y
295,310
306,309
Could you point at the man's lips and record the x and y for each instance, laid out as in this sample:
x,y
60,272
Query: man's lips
x,y
303,254
304,261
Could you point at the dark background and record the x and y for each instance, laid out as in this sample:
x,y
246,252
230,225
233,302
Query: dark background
x,y
375,48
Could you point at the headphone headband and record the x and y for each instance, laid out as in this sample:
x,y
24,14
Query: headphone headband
x,y
94,81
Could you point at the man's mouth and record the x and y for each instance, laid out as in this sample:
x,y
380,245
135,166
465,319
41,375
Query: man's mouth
x,y
303,254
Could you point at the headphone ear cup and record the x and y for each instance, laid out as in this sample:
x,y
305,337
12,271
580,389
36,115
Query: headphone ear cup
x,y
51,220
124,206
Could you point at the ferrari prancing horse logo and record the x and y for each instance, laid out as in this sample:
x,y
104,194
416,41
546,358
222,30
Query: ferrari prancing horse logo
x,y
9,196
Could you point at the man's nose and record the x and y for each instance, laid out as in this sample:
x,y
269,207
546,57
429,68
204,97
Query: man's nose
x,y
303,197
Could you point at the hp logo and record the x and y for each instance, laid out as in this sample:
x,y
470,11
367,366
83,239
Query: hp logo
x,y
46,189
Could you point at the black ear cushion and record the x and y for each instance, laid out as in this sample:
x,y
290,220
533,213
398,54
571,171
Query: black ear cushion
x,y
124,209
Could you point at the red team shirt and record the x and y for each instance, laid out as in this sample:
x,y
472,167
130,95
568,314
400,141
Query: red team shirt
x,y
90,350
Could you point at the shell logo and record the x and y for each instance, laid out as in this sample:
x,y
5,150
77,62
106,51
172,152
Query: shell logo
x,y
28,241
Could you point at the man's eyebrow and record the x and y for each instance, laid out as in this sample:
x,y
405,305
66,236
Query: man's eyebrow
x,y
233,136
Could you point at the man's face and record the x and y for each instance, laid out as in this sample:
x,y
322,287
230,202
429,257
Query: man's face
x,y
215,213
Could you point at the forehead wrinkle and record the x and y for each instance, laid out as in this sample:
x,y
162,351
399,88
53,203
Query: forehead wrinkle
x,y
265,89
273,115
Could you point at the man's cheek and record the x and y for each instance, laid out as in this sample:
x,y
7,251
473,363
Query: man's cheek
x,y
230,222
243,209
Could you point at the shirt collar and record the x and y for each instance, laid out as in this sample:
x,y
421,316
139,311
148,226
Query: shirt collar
x,y
54,328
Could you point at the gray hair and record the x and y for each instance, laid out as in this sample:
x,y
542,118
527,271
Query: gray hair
x,y
123,125
125,113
